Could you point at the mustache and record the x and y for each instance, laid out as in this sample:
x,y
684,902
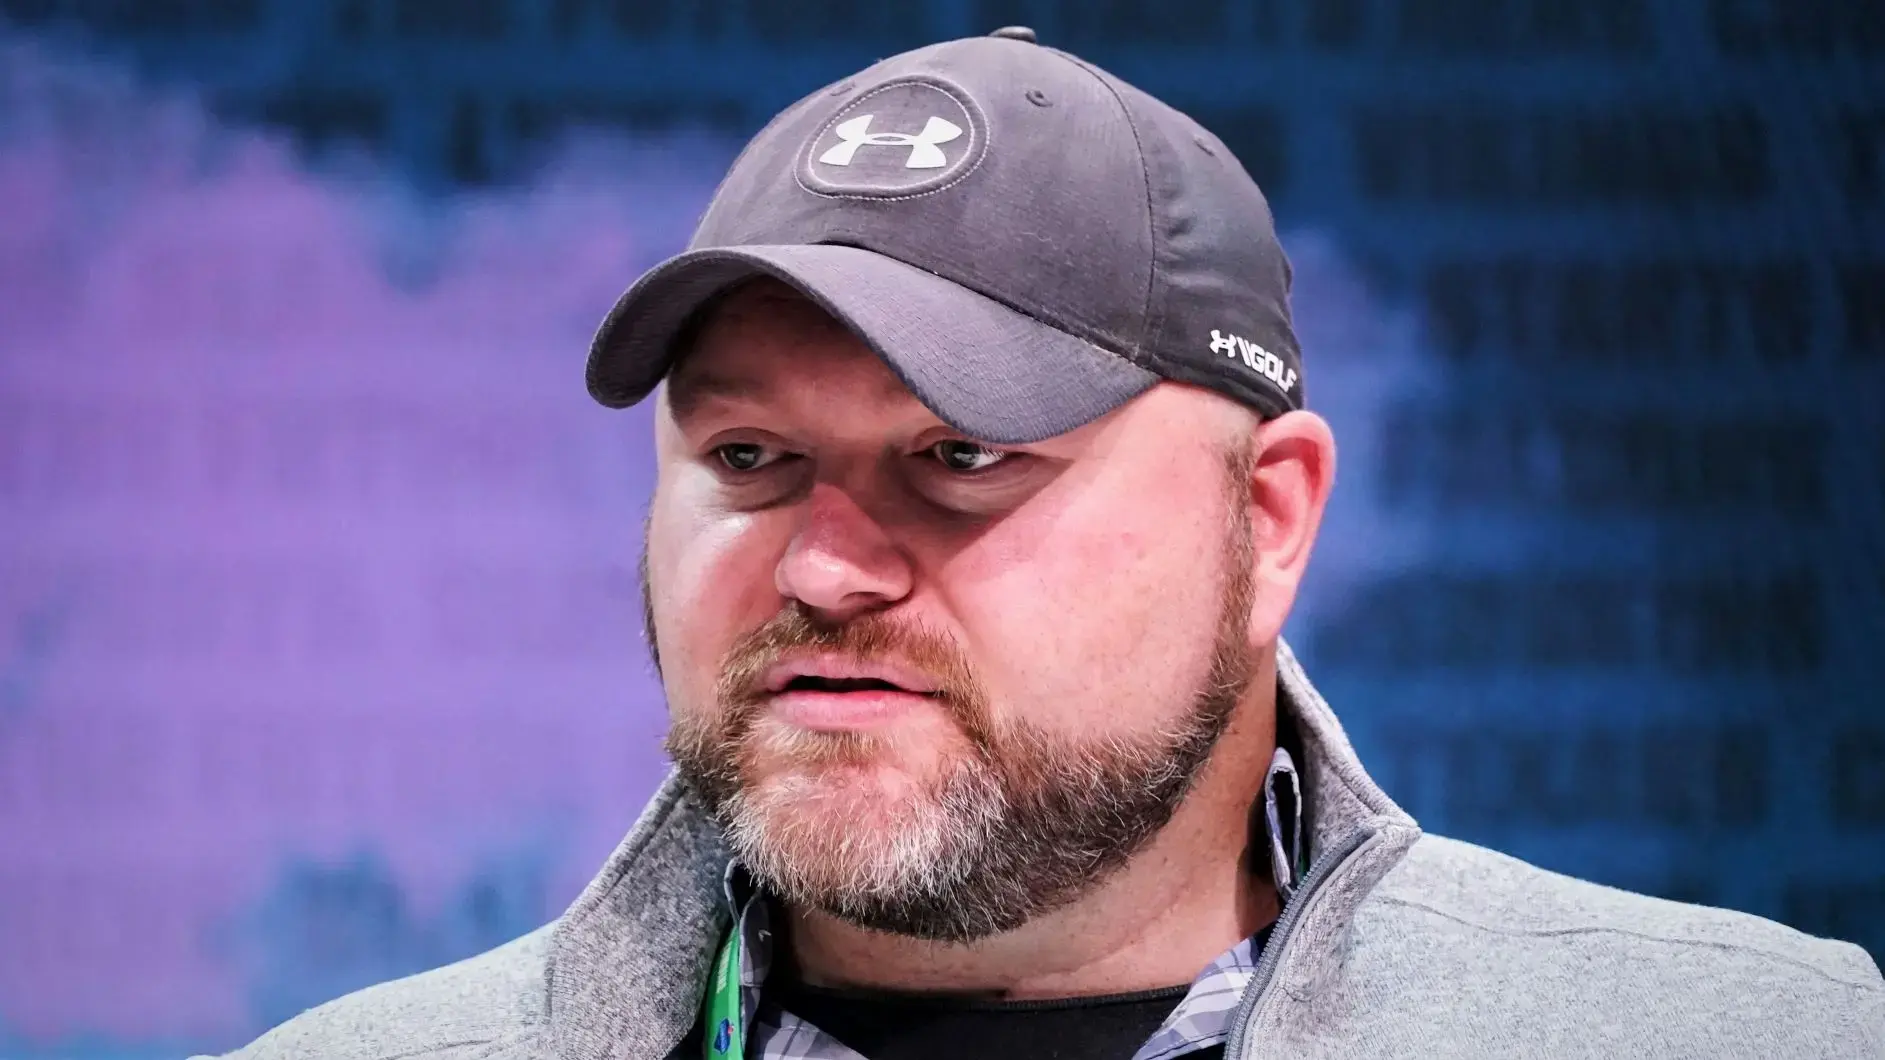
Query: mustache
x,y
865,638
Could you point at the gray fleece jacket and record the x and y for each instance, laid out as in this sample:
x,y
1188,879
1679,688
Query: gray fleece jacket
x,y
1397,945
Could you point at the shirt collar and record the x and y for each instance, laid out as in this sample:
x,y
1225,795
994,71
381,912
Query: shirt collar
x,y
1200,1020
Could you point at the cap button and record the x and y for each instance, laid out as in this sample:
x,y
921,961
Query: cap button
x,y
1021,33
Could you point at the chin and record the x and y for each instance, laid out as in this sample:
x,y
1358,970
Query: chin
x,y
833,826
821,834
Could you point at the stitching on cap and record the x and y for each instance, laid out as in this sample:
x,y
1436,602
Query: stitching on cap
x,y
1151,278
947,88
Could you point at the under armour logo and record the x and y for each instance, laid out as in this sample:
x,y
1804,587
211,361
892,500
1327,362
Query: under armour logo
x,y
924,152
1255,357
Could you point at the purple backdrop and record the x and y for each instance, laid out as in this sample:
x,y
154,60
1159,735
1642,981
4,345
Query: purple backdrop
x,y
321,656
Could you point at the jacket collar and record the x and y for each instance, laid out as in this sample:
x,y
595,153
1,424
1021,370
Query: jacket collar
x,y
629,959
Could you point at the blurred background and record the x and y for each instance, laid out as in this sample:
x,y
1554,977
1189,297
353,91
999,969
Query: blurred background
x,y
320,658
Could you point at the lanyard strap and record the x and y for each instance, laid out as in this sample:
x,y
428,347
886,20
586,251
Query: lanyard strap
x,y
725,1028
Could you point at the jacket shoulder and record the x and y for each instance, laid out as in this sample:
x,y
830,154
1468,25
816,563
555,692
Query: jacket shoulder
x,y
448,1012
1601,965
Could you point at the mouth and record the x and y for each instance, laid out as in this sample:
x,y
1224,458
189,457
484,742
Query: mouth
x,y
815,683
831,693
837,674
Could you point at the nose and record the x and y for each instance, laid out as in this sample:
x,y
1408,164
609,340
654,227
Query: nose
x,y
841,563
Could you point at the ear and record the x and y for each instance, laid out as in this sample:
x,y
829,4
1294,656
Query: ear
x,y
1292,471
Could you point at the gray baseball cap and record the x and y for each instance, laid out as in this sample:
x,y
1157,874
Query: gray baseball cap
x,y
1027,241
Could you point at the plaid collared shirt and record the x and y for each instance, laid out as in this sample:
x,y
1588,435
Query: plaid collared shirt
x,y
1201,1020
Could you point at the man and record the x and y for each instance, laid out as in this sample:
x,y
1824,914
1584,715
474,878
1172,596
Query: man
x,y
985,486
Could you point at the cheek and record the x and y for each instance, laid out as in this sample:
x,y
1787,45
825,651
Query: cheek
x,y
711,580
1098,621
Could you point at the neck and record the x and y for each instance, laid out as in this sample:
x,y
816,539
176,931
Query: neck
x,y
1188,896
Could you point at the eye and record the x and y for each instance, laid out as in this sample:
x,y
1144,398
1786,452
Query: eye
x,y
966,457
745,456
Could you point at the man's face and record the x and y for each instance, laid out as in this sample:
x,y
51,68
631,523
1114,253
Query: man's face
x,y
932,687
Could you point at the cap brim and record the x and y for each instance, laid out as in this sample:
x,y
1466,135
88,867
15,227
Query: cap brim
x,y
994,373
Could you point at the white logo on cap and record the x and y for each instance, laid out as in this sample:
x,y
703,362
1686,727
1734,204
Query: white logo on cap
x,y
1255,358
924,152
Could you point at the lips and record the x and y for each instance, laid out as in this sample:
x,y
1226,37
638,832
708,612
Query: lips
x,y
830,693
836,674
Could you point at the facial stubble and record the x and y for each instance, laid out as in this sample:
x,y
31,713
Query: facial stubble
x,y
1020,823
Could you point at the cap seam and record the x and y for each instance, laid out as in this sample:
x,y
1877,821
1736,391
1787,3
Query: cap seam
x,y
1138,355
1267,399
740,157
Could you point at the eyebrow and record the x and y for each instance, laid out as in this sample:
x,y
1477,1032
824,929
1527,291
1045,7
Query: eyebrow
x,y
690,389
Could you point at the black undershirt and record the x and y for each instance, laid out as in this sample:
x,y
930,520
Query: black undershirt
x,y
903,1027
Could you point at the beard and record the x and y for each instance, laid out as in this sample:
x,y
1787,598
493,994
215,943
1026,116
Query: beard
x,y
1014,823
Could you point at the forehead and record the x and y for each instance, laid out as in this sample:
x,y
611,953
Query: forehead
x,y
764,337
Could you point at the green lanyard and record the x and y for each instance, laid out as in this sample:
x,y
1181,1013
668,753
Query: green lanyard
x,y
725,1031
